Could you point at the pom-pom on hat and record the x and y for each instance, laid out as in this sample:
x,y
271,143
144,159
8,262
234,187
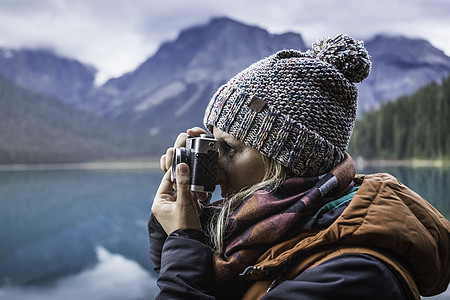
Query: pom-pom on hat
x,y
296,107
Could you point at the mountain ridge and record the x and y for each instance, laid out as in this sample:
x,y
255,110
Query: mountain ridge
x,y
38,129
218,40
401,51
186,72
400,67
43,71
167,93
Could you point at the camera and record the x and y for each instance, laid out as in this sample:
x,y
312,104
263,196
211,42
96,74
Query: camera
x,y
201,155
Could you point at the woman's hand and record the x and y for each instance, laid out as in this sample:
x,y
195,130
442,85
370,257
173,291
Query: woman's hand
x,y
176,209
175,206
166,159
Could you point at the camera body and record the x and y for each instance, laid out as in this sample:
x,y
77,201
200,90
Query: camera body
x,y
201,155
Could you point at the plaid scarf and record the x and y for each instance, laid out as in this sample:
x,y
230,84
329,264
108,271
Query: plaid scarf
x,y
264,219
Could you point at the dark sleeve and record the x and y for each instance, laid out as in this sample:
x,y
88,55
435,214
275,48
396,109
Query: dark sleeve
x,y
157,237
348,276
186,267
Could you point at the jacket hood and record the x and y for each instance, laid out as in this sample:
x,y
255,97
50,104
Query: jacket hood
x,y
385,215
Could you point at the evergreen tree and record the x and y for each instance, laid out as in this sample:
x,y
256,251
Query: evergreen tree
x,y
415,126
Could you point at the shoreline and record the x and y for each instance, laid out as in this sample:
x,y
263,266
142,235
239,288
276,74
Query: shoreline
x,y
153,165
120,165
413,163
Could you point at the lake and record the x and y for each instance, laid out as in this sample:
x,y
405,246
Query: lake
x,y
81,234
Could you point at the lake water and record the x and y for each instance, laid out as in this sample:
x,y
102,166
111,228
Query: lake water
x,y
81,234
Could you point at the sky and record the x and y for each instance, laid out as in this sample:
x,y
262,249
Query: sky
x,y
116,36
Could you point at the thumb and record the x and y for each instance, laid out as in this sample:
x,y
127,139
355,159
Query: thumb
x,y
183,181
186,213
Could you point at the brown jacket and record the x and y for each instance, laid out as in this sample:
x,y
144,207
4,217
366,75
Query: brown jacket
x,y
384,219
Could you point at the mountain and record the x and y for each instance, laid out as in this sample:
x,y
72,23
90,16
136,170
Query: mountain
x,y
37,129
169,91
45,72
400,66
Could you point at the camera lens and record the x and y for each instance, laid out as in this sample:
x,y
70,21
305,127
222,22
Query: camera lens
x,y
180,156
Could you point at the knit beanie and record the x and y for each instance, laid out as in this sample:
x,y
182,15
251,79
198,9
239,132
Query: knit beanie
x,y
298,108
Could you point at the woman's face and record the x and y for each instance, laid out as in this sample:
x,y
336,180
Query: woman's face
x,y
240,166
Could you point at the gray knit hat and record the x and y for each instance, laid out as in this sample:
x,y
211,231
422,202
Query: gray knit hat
x,y
296,107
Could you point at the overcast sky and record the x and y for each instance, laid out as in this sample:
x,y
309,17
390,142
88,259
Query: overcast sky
x,y
116,36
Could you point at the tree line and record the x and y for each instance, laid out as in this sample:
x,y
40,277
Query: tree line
x,y
412,127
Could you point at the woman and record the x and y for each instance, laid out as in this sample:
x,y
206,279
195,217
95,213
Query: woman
x,y
295,222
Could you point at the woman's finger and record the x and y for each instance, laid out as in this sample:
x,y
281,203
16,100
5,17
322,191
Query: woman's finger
x,y
167,163
165,187
181,140
162,163
182,137
195,131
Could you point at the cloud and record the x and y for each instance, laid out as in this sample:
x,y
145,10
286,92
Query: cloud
x,y
116,36
114,277
104,36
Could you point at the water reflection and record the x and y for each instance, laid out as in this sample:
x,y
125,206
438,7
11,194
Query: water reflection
x,y
82,234
102,281
52,222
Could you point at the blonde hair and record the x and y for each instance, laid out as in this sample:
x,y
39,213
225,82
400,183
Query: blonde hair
x,y
274,175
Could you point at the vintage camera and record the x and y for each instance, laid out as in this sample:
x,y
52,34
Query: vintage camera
x,y
201,155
